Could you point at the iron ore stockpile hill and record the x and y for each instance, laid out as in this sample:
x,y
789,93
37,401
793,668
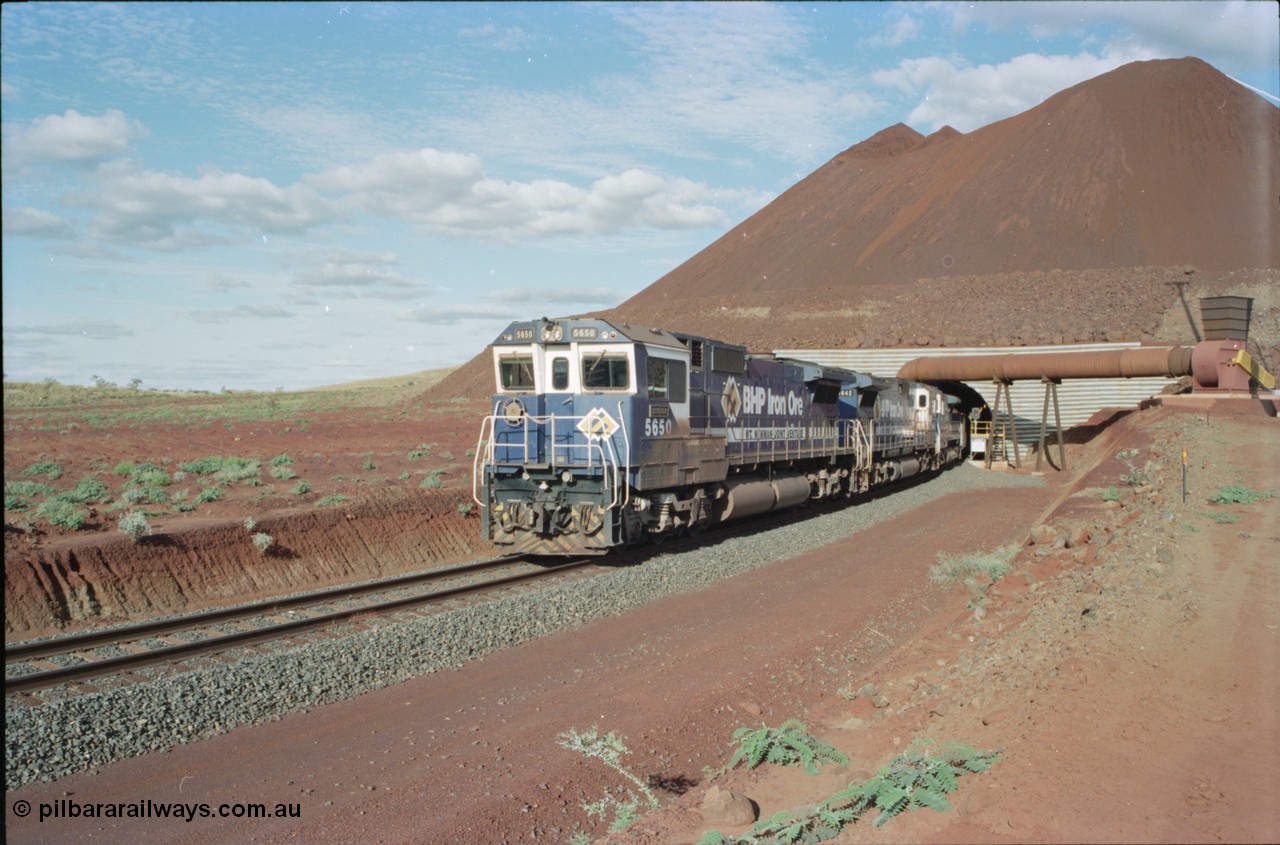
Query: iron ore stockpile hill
x,y
1063,224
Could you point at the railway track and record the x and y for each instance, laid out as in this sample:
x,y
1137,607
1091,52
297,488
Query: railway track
x,y
200,637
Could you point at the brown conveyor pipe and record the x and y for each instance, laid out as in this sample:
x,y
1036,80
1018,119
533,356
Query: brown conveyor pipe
x,y
1146,361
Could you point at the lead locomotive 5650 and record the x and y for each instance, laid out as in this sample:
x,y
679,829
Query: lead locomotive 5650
x,y
605,434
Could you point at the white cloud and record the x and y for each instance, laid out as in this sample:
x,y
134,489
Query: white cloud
x,y
34,223
447,315
146,209
574,297
450,192
221,282
1221,33
226,315
967,98
92,329
901,28
360,273
73,138
506,39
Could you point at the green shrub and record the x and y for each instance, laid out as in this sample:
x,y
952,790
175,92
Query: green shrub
x,y
909,781
330,500
433,481
236,469
282,472
30,489
609,749
88,491
281,460
15,503
124,469
135,525
149,475
262,542
992,565
1110,495
1234,494
203,466
301,488
141,495
423,451
788,745
47,468
63,513
209,494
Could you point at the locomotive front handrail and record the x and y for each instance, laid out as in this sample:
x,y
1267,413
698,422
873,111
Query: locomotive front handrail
x,y
564,446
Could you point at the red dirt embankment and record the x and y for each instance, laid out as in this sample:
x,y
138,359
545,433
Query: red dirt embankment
x,y
93,579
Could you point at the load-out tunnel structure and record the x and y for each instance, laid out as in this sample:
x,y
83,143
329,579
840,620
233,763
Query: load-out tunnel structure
x,y
1214,365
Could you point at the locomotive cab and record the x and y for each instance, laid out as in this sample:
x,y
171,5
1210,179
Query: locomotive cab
x,y
577,405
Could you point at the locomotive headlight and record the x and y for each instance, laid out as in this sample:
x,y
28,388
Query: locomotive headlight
x,y
566,477
552,333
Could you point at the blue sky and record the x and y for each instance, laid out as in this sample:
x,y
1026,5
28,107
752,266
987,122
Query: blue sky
x,y
260,195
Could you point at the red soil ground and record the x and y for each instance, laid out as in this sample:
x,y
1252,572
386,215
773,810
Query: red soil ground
x,y
58,579
1130,681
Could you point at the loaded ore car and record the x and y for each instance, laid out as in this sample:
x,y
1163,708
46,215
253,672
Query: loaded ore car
x,y
607,434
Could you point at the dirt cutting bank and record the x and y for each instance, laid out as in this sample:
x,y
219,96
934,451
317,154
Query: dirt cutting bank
x,y
80,582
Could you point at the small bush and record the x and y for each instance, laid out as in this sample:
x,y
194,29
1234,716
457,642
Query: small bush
x,y
203,466
88,491
26,488
466,508
992,566
788,745
1110,495
236,469
609,749
262,542
141,495
1236,494
283,472
63,513
369,465
149,475
15,503
47,468
124,469
423,451
301,488
330,500
135,525
209,494
281,460
249,524
433,481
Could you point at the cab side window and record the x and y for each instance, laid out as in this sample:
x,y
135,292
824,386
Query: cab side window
x,y
605,372
667,380
560,374
516,372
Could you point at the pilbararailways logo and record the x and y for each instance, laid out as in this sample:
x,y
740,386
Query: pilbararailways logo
x,y
755,399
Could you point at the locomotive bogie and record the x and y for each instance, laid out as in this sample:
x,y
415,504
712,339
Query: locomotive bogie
x,y
604,435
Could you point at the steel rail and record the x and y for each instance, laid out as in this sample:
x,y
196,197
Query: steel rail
x,y
111,636
113,665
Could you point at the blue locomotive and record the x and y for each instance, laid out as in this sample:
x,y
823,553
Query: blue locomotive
x,y
607,434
